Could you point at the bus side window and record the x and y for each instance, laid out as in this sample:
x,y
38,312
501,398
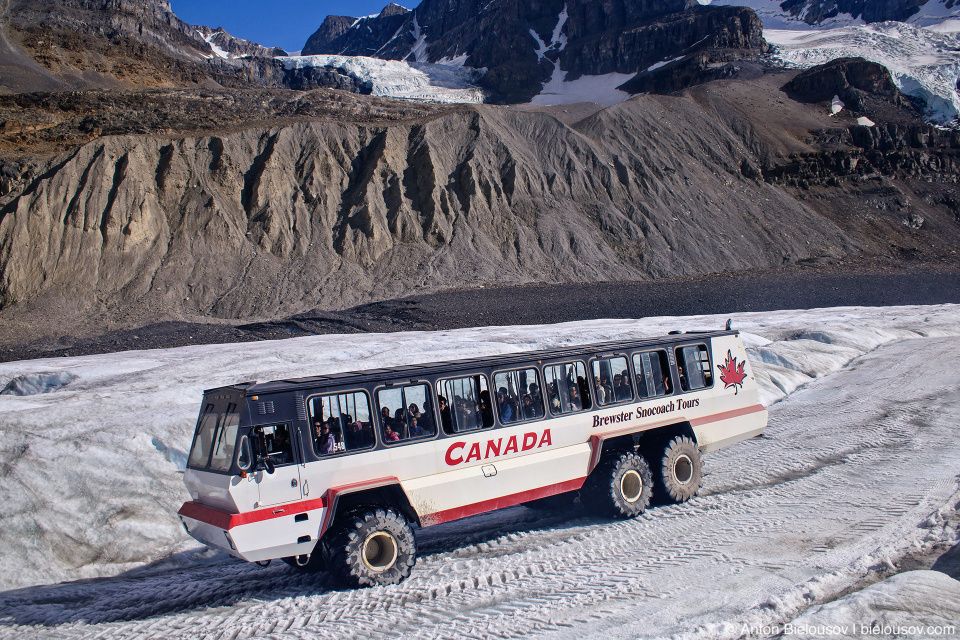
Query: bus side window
x,y
566,387
341,422
653,374
693,365
467,404
406,413
518,395
611,378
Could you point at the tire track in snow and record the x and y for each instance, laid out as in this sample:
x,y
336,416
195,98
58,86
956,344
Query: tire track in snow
x,y
812,498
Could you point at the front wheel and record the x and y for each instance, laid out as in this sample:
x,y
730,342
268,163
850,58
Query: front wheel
x,y
680,471
369,547
620,487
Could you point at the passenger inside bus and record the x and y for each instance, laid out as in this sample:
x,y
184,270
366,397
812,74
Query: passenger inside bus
x,y
486,410
445,418
528,408
325,442
504,406
574,392
389,435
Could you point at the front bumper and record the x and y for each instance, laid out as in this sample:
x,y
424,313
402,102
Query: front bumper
x,y
264,534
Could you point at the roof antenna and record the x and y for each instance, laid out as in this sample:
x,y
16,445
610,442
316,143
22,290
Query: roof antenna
x,y
729,323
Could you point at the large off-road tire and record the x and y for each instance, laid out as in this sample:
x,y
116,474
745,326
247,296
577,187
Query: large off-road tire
x,y
550,503
370,547
620,486
679,470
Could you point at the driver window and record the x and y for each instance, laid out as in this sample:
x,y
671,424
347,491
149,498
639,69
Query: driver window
x,y
276,438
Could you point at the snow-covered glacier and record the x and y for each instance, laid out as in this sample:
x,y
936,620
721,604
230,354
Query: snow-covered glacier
x,y
401,79
922,54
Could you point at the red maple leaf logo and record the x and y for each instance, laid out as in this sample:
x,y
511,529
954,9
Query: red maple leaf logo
x,y
731,373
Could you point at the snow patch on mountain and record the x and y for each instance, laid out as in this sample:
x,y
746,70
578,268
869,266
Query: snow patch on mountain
x,y
458,60
663,63
836,106
217,51
399,79
419,50
923,62
599,89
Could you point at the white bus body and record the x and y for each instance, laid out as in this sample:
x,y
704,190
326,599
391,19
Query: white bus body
x,y
258,498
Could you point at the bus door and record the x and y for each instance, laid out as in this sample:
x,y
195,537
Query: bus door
x,y
284,484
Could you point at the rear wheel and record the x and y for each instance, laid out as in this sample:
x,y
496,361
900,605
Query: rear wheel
x,y
620,486
680,472
370,547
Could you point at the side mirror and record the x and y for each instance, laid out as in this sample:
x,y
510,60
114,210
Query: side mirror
x,y
262,459
245,455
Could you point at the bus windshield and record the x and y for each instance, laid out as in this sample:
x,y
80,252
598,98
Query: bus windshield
x,y
215,439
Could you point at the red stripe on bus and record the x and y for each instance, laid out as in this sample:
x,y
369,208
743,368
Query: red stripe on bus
x,y
225,520
726,415
502,502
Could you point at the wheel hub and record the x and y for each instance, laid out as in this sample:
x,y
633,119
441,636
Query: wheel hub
x,y
683,469
379,551
631,486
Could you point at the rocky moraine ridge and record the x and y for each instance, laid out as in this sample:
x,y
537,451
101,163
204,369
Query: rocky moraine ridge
x,y
224,195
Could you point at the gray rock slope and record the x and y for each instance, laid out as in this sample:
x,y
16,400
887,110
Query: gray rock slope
x,y
320,214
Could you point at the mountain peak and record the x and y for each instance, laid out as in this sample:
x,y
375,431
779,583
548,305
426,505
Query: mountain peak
x,y
393,9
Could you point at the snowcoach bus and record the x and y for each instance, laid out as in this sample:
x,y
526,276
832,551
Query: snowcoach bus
x,y
335,472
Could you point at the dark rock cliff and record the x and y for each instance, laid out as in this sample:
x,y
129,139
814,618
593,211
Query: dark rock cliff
x,y
634,48
358,37
843,76
866,88
332,28
501,36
